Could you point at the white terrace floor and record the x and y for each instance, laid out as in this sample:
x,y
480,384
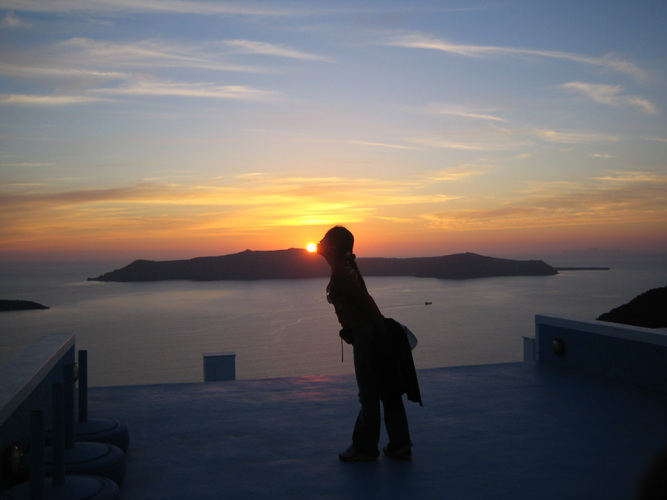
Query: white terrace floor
x,y
506,431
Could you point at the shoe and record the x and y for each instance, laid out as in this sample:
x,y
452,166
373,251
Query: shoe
x,y
354,455
404,453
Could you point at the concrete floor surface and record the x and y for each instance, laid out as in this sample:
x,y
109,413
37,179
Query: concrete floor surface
x,y
510,431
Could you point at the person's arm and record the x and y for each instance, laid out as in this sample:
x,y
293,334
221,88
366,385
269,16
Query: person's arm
x,y
363,300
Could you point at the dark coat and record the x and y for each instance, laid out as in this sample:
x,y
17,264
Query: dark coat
x,y
398,368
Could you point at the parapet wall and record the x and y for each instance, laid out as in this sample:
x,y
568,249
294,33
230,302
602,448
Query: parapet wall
x,y
26,383
629,354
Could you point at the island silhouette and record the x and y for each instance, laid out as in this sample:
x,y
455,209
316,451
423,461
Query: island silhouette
x,y
295,263
646,310
20,305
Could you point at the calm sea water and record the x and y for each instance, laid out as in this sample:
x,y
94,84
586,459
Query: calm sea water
x,y
145,333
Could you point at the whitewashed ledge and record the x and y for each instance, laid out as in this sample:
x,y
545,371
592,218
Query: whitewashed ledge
x,y
26,384
627,354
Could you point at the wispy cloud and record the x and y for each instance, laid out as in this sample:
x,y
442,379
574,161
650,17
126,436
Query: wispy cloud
x,y
624,197
439,143
634,177
488,138
381,145
44,71
572,137
143,54
157,6
494,138
605,156
269,49
152,87
423,41
82,63
11,20
458,173
451,110
611,95
25,165
45,100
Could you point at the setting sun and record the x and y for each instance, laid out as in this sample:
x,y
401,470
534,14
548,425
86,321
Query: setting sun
x,y
311,247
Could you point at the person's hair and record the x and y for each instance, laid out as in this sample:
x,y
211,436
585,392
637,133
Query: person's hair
x,y
342,240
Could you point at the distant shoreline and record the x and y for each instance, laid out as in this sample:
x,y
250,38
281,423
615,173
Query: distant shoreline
x,y
571,268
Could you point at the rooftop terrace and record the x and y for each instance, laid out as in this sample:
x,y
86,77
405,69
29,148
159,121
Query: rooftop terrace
x,y
519,430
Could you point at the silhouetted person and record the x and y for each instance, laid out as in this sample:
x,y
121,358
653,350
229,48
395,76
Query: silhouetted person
x,y
365,328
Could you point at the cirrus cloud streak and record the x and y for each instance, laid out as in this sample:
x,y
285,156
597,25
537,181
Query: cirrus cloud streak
x,y
611,95
423,41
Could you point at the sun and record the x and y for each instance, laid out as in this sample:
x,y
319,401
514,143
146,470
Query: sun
x,y
311,247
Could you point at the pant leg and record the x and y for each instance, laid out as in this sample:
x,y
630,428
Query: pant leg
x,y
396,422
366,433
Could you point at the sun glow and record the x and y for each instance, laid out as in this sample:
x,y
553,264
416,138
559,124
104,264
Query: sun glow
x,y
311,247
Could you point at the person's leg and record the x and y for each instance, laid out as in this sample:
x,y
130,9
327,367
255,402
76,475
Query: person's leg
x,y
367,427
396,423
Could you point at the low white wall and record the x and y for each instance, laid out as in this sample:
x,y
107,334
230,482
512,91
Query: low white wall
x,y
26,384
629,354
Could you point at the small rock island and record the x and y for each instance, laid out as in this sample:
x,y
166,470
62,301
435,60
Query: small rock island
x,y
20,305
297,263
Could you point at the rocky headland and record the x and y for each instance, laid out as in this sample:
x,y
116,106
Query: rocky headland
x,y
296,263
648,310
19,305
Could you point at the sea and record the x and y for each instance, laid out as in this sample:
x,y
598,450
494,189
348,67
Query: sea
x,y
157,332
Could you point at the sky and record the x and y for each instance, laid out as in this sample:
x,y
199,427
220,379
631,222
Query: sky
x,y
171,129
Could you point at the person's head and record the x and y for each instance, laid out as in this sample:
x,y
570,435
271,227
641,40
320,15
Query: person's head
x,y
337,244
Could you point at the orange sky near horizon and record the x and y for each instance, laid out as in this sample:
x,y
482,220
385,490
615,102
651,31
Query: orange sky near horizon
x,y
149,130
432,213
380,240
